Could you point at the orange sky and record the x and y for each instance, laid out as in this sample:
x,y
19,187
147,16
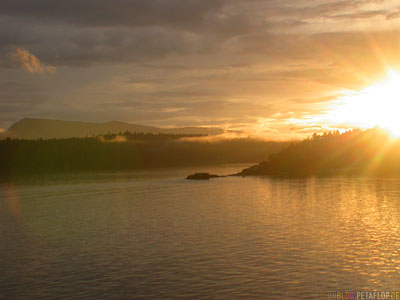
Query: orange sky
x,y
271,67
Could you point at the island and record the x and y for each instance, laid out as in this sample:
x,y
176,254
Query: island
x,y
202,176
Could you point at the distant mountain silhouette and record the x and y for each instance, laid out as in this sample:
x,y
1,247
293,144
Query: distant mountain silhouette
x,y
30,128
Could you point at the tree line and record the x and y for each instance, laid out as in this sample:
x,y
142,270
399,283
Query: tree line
x,y
127,151
371,152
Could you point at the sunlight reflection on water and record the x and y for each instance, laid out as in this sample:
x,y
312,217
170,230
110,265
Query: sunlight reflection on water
x,y
162,237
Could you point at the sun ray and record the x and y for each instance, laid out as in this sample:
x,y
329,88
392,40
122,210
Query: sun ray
x,y
376,105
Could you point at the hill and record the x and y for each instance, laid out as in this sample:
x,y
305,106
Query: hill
x,y
30,128
361,153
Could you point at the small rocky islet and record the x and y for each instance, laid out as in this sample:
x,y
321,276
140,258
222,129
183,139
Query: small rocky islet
x,y
202,176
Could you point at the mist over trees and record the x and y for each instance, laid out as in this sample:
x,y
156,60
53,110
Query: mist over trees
x,y
356,153
127,151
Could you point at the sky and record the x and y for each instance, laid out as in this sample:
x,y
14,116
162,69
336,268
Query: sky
x,y
263,66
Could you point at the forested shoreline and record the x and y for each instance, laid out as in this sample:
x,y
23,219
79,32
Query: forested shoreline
x,y
127,151
371,152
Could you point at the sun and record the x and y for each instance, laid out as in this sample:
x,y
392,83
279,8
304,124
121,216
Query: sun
x,y
376,105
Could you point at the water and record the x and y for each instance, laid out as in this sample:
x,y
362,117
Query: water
x,y
154,235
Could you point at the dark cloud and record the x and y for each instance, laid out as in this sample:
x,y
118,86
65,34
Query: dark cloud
x,y
83,33
175,13
85,46
88,32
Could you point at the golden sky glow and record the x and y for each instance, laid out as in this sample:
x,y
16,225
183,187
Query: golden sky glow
x,y
279,68
376,105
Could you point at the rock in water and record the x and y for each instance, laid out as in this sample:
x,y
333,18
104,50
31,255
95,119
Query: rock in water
x,y
201,176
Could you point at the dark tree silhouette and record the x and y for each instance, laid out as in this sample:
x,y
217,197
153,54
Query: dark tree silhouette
x,y
371,153
126,151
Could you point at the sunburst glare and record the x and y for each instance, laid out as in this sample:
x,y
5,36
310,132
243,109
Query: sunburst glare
x,y
376,105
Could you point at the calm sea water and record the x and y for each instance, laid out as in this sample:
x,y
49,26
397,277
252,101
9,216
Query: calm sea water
x,y
154,235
